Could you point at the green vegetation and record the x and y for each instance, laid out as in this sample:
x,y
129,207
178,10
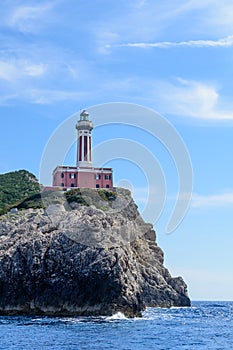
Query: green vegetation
x,y
78,196
89,196
15,187
33,202
100,198
20,189
107,195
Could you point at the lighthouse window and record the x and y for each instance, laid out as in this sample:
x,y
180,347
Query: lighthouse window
x,y
62,175
107,177
97,176
72,176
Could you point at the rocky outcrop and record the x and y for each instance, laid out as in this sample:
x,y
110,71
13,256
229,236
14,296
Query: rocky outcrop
x,y
83,260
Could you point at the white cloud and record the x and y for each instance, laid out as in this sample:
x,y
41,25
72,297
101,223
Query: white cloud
x,y
224,42
7,71
14,70
43,97
218,19
33,74
191,99
224,199
35,70
5,99
211,201
29,18
140,3
141,22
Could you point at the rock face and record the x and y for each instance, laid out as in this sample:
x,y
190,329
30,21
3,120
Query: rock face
x,y
85,261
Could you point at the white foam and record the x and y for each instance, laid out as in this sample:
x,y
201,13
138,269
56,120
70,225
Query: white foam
x,y
117,316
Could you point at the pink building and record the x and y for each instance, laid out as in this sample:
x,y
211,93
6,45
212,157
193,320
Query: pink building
x,y
83,174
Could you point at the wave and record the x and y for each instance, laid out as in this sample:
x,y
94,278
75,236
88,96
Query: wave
x,y
117,316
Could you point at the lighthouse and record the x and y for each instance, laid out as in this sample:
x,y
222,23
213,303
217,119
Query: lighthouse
x,y
83,174
84,143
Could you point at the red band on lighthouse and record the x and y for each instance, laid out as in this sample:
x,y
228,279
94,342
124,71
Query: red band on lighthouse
x,y
85,148
80,149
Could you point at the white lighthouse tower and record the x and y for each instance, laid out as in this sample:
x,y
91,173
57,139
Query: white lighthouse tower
x,y
84,143
83,174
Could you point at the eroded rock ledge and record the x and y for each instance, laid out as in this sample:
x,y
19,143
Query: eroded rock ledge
x,y
83,261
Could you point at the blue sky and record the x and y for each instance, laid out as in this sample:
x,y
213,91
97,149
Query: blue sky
x,y
175,57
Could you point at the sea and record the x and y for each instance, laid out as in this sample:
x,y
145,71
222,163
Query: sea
x,y
205,325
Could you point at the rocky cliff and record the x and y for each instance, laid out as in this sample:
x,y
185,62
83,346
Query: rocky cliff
x,y
78,259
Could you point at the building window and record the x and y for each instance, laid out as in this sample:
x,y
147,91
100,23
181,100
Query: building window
x,y
107,186
72,176
107,177
62,184
97,176
72,185
62,175
97,186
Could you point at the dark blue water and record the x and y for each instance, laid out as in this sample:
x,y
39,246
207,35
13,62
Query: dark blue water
x,y
206,325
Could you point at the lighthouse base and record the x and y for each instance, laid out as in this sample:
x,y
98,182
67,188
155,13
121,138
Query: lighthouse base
x,y
82,177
